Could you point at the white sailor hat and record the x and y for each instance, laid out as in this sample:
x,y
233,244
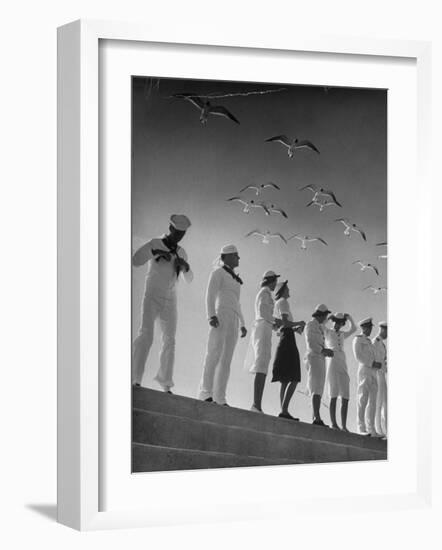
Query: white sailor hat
x,y
366,321
321,309
180,222
269,274
229,249
383,324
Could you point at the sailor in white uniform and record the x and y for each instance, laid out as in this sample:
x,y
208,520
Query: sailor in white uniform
x,y
316,353
380,350
338,380
261,340
364,353
225,317
166,262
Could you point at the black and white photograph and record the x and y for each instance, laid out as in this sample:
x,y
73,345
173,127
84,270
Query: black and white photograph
x,y
259,274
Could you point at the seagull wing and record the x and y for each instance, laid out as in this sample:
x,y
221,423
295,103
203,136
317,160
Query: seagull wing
x,y
270,184
304,143
192,98
310,187
282,139
278,235
255,232
369,288
382,244
295,236
374,268
222,111
345,221
357,262
248,187
330,193
320,240
239,199
361,233
280,211
311,202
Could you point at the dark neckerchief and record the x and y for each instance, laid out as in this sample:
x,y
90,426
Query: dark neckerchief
x,y
173,249
233,274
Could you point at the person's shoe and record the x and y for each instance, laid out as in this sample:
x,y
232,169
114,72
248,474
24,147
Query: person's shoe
x,y
319,422
256,410
208,400
376,435
346,430
168,391
224,405
136,385
335,427
288,416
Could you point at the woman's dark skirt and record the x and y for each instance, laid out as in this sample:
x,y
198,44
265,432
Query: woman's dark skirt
x,y
287,366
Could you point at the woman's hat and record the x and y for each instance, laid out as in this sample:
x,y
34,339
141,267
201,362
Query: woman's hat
x,y
279,287
270,275
321,309
337,318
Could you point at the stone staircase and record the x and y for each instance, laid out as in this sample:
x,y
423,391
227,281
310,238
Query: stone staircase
x,y
172,432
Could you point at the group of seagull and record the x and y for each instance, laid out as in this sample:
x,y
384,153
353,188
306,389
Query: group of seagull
x,y
322,198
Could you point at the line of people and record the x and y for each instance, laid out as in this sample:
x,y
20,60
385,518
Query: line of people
x,y
325,360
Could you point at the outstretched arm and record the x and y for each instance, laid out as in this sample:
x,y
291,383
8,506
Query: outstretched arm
x,y
352,328
142,255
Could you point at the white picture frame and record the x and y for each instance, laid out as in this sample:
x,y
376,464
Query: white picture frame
x,y
79,270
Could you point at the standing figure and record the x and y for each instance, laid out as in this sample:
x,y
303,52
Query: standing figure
x,y
380,351
261,339
315,359
166,261
338,380
286,366
364,353
225,316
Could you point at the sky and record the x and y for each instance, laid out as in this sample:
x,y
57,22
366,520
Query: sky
x,y
181,166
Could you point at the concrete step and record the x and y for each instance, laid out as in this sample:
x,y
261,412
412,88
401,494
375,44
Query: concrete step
x,y
153,458
185,407
170,430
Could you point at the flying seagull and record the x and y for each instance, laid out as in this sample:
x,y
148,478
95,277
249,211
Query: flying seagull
x,y
321,205
364,267
259,189
349,226
306,239
376,290
206,108
272,208
293,144
321,192
266,236
249,204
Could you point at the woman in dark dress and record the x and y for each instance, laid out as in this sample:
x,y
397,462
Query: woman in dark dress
x,y
287,365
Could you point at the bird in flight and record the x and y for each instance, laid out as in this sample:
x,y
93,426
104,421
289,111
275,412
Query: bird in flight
x,y
266,235
306,239
272,208
364,267
320,192
321,205
260,188
206,108
293,144
349,226
249,204
376,290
